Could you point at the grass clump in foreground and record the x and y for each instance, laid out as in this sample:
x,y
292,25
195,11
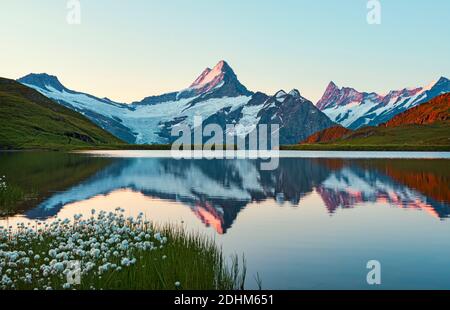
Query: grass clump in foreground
x,y
112,252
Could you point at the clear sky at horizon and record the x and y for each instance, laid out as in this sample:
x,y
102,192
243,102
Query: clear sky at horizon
x,y
127,50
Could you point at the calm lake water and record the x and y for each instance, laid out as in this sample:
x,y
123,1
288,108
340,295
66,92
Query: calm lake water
x,y
313,223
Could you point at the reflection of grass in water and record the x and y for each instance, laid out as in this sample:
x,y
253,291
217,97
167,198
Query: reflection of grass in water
x,y
116,253
10,195
38,174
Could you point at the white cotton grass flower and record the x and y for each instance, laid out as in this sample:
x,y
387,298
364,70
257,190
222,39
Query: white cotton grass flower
x,y
3,185
105,242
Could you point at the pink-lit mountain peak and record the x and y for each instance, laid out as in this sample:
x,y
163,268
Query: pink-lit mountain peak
x,y
335,96
210,78
353,109
218,82
201,77
405,92
338,96
332,87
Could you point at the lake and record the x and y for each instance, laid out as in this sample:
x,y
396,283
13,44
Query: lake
x,y
313,223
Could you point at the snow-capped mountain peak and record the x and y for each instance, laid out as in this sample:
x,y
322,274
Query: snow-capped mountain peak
x,y
295,93
211,78
335,96
442,86
405,92
220,81
280,94
296,116
330,93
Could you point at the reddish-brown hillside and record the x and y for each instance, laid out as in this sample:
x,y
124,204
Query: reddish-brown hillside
x,y
437,109
327,135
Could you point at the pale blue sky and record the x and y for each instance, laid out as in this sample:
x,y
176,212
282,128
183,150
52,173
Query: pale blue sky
x,y
127,50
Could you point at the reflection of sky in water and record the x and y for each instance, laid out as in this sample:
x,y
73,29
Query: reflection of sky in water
x,y
312,223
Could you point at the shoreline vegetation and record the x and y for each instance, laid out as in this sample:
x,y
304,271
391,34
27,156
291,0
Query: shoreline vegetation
x,y
295,147
110,251
371,148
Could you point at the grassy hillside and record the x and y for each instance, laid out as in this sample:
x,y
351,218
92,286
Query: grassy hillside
x,y
405,138
29,120
326,135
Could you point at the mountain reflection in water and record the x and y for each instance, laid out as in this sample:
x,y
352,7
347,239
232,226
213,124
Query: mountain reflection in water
x,y
218,190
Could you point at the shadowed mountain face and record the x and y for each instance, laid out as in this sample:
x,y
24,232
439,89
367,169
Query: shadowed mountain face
x,y
217,190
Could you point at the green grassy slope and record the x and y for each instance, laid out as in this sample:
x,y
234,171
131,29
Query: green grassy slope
x,y
434,134
29,120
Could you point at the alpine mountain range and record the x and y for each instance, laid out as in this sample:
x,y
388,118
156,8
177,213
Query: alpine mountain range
x,y
219,97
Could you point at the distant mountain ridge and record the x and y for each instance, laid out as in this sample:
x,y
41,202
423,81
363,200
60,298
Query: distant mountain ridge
x,y
353,109
427,123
